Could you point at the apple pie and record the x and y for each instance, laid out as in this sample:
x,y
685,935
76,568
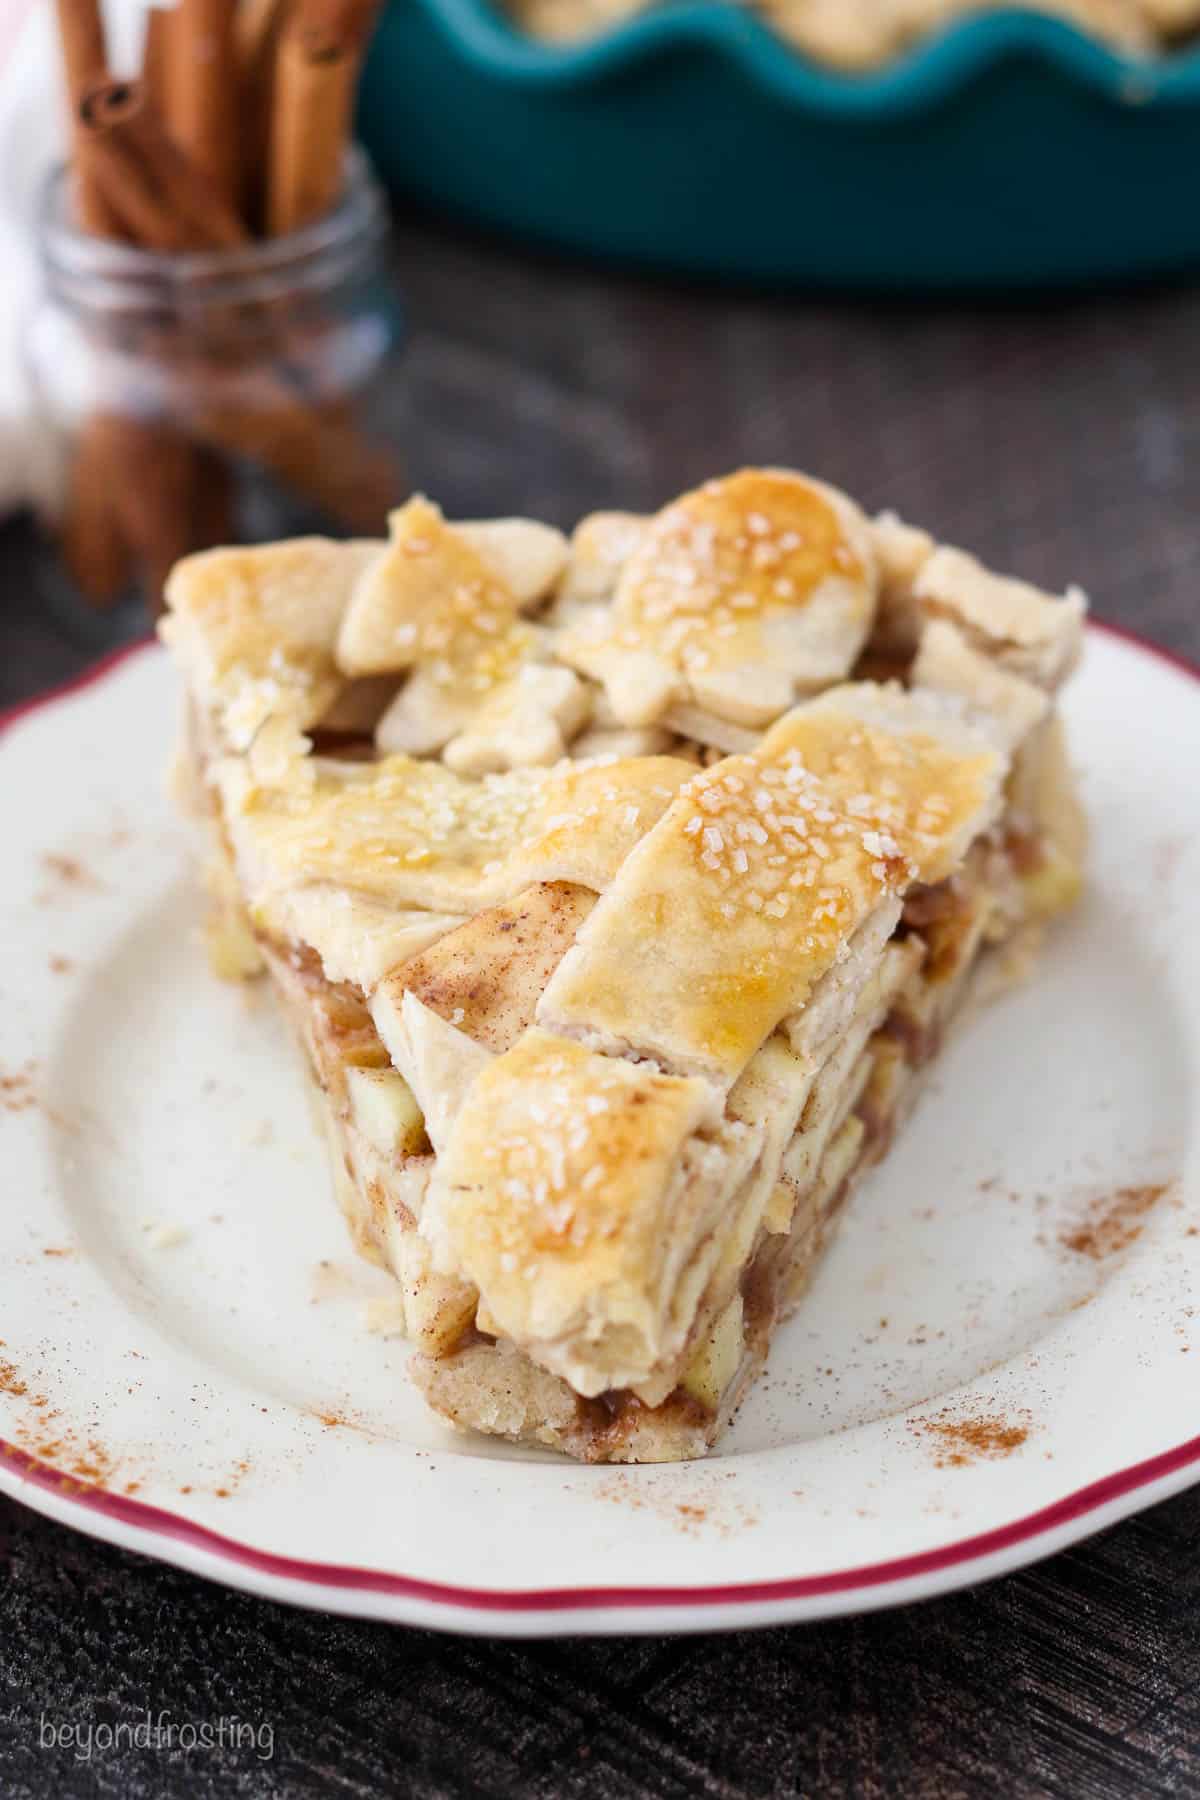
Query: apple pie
x,y
621,889
862,34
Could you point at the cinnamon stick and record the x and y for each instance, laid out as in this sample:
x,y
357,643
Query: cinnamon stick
x,y
162,200
202,90
142,475
157,57
128,192
94,545
326,22
85,59
256,30
256,40
321,455
202,490
316,74
161,172
212,505
167,204
156,498
81,34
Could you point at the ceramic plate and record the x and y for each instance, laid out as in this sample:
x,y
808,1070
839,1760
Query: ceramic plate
x,y
999,1355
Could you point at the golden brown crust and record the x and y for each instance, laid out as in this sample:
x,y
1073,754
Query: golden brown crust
x,y
619,1032
413,834
915,772
747,891
1032,633
428,594
574,1191
255,629
737,597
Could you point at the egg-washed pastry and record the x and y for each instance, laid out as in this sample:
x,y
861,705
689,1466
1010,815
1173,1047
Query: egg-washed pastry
x,y
621,890
863,34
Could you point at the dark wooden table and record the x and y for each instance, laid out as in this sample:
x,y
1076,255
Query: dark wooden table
x,y
1059,440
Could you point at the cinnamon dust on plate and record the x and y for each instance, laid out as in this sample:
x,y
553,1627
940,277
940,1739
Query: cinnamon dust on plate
x,y
44,1437
1112,1222
696,1505
17,1092
69,870
958,1441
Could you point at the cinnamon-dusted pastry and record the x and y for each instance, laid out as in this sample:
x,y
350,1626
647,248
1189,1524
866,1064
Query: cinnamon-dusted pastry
x,y
489,974
603,1033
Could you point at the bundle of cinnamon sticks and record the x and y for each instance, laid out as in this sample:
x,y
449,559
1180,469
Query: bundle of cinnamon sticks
x,y
238,128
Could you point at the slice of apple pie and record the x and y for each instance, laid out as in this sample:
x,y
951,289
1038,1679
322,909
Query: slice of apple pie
x,y
620,889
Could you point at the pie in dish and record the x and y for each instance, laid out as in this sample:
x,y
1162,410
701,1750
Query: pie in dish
x,y
621,889
862,34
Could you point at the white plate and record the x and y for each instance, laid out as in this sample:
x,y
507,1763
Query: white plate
x,y
185,1369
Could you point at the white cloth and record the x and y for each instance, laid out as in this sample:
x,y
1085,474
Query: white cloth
x,y
32,136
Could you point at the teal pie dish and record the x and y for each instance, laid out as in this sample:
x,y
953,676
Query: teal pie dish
x,y
1010,152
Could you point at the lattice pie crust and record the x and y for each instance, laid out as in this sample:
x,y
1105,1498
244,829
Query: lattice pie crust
x,y
620,888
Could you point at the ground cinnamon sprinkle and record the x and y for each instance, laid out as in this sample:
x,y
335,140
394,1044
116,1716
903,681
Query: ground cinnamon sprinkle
x,y
962,1441
92,1463
86,1462
1112,1223
68,869
16,1091
45,1437
10,1381
707,1509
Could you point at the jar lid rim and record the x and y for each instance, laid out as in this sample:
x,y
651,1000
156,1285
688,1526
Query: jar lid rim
x,y
69,251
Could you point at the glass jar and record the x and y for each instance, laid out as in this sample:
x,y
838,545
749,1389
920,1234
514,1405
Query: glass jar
x,y
201,397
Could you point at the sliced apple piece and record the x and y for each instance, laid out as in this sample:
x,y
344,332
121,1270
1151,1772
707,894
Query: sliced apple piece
x,y
438,1309
716,1361
384,1109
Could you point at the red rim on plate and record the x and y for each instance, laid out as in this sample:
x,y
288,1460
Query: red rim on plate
x,y
156,1522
